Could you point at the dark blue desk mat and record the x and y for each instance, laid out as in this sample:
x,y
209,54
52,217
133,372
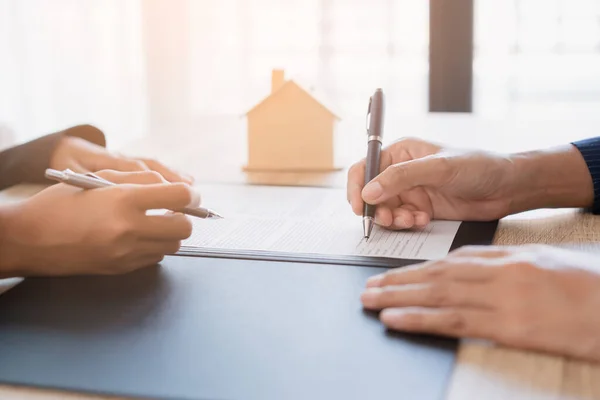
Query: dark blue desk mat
x,y
208,328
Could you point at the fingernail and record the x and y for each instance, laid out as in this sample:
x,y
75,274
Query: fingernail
x,y
369,297
372,191
188,178
195,198
421,219
394,316
399,222
375,281
393,312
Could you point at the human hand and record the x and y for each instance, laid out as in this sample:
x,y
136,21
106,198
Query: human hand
x,y
64,230
421,181
79,155
532,297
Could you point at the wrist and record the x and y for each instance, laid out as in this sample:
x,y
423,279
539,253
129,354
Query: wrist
x,y
554,178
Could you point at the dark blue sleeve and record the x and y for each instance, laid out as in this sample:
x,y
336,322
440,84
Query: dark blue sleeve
x,y
590,150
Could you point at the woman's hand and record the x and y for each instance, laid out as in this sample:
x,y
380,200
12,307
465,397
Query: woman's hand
x,y
79,155
64,230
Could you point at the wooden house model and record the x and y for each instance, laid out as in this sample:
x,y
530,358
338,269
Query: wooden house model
x,y
290,130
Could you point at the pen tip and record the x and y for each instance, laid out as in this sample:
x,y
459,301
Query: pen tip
x,y
367,226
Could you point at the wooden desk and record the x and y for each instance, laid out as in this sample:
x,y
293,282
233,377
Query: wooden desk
x,y
483,371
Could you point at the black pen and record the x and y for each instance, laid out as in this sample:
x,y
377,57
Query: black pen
x,y
375,138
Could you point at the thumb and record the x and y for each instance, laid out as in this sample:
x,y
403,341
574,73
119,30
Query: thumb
x,y
397,178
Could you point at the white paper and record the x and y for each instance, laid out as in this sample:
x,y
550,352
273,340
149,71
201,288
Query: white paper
x,y
309,221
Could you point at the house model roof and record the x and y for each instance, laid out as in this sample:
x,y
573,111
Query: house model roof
x,y
318,98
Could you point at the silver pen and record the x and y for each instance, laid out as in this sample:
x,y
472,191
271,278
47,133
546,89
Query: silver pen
x,y
93,181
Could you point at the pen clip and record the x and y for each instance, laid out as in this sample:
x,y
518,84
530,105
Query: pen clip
x,y
69,173
92,175
368,118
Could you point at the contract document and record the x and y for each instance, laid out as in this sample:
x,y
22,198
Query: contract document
x,y
301,220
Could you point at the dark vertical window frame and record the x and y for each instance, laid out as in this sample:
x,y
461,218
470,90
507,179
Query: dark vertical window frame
x,y
451,38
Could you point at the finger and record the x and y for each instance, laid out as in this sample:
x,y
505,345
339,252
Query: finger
x,y
356,181
403,219
408,206
481,251
384,212
417,200
163,247
447,269
169,174
383,217
104,160
437,295
153,248
172,196
170,227
422,219
140,177
397,178
455,322
409,148
77,167
126,164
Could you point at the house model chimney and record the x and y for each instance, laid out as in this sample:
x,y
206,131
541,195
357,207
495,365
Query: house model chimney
x,y
277,79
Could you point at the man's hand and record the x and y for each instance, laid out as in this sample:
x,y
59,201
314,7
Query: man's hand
x,y
421,181
67,231
533,297
82,156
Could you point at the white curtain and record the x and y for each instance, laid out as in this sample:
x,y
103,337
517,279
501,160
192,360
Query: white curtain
x,y
65,62
345,48
537,58
132,65
137,66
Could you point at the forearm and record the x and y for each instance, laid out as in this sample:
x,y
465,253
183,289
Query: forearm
x,y
554,178
26,162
